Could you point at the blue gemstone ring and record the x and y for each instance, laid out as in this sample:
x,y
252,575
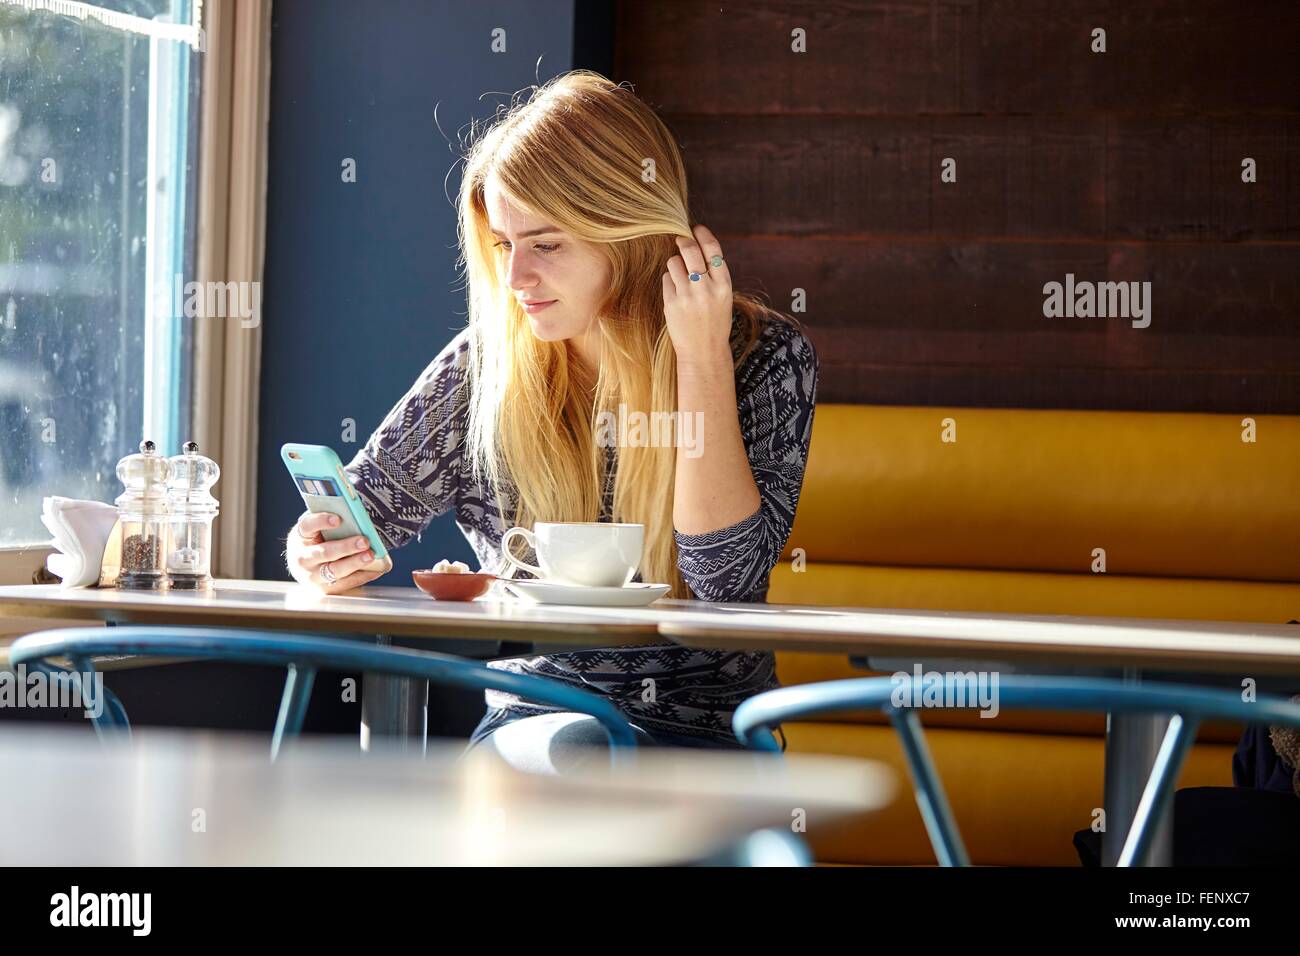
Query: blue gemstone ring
x,y
715,262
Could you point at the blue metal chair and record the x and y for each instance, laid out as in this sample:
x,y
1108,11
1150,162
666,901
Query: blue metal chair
x,y
302,655
754,719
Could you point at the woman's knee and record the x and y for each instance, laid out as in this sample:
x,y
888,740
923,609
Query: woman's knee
x,y
552,743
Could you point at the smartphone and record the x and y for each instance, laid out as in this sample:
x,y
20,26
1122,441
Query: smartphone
x,y
324,486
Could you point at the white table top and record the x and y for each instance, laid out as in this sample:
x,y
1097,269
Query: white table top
x,y
1204,646
324,803
287,605
1212,646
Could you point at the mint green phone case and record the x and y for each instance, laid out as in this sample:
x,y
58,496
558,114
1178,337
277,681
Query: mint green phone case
x,y
324,486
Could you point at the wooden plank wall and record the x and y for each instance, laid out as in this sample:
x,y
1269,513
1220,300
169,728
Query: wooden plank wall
x,y
821,171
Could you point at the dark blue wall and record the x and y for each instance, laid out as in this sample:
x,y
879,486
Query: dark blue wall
x,y
360,284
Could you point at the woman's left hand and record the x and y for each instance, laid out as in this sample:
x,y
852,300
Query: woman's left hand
x,y
699,314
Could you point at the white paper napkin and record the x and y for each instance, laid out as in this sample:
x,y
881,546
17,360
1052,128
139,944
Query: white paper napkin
x,y
81,529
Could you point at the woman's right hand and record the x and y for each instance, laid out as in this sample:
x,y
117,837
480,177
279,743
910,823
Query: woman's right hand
x,y
350,559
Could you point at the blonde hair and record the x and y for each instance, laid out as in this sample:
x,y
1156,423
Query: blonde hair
x,y
574,154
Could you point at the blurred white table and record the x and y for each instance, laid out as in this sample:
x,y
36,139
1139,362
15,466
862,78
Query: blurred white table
x,y
176,798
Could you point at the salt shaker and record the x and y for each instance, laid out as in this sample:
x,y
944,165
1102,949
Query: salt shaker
x,y
142,514
192,510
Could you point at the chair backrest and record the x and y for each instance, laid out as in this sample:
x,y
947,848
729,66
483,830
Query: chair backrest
x,y
903,696
303,655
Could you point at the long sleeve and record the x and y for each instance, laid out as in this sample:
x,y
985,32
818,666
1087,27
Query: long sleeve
x,y
777,389
408,471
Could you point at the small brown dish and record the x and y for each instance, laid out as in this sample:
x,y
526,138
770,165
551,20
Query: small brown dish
x,y
452,585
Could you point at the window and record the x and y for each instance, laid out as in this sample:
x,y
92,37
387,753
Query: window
x,y
98,136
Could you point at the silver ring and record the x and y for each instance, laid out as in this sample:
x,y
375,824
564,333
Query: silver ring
x,y
327,573
696,276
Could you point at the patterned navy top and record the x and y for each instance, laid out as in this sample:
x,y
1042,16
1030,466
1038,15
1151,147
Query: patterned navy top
x,y
412,469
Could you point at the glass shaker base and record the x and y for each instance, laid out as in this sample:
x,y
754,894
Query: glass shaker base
x,y
141,582
191,582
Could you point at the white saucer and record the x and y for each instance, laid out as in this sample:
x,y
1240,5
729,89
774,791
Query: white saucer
x,y
637,594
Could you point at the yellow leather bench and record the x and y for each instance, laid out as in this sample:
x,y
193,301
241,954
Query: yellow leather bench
x,y
1192,522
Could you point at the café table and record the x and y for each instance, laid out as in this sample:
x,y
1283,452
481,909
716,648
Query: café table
x,y
1129,647
1041,643
496,625
183,798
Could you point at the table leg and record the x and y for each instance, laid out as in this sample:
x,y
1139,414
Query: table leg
x,y
394,707
1132,741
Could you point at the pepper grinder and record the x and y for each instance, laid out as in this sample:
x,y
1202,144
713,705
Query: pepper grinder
x,y
142,515
193,508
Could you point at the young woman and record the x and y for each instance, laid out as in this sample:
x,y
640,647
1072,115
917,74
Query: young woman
x,y
588,290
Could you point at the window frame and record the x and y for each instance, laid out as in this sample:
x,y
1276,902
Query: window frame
x,y
230,238
231,246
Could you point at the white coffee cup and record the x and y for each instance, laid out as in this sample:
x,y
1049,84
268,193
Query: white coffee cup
x,y
585,553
